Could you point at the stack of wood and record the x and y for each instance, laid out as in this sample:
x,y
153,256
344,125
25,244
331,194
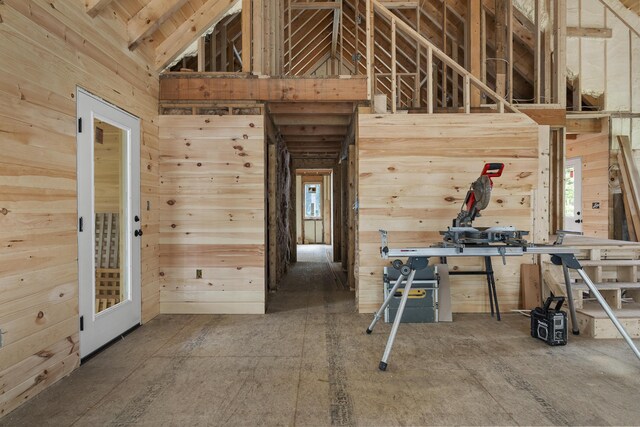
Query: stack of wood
x,y
629,186
107,258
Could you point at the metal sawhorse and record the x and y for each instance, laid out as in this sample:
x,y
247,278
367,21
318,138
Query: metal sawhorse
x,y
418,259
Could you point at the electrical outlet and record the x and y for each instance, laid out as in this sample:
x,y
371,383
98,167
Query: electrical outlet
x,y
198,274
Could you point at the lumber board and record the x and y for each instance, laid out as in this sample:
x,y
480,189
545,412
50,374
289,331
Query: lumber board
x,y
530,286
197,87
412,186
630,194
547,116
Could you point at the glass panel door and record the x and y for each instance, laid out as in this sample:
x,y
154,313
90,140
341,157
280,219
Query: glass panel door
x,y
109,223
573,195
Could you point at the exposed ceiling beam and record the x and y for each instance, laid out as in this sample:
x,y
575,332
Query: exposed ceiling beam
x,y
300,119
315,5
149,19
190,30
331,108
94,7
313,130
198,87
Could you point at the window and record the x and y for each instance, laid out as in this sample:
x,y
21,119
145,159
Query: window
x,y
312,201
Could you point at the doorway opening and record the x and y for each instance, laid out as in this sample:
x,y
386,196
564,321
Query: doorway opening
x,y
573,194
314,204
311,180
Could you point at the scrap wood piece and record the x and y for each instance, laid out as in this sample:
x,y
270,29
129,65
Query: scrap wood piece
x,y
629,185
530,286
626,200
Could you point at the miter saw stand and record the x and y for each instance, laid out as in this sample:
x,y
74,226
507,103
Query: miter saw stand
x,y
462,240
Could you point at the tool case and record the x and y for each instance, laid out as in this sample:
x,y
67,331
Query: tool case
x,y
422,304
550,325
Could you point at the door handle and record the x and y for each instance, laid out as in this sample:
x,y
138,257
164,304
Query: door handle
x,y
578,221
137,233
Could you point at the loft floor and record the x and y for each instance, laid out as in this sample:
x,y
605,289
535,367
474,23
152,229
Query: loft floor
x,y
309,362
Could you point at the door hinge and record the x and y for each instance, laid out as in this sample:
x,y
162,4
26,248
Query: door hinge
x,y
79,124
81,225
81,323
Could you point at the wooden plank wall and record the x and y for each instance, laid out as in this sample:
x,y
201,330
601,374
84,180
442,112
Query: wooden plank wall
x,y
212,215
414,172
593,149
47,48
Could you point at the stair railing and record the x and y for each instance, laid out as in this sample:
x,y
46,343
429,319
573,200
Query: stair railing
x,y
469,80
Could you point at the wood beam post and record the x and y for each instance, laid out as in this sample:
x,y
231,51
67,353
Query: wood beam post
x,y
246,17
201,54
473,21
560,59
501,65
537,54
272,171
394,71
370,50
510,50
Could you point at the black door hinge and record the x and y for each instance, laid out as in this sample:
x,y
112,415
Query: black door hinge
x,y
80,125
81,323
81,225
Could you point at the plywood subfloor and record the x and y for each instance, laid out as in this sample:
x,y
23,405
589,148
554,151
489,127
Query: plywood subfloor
x,y
309,362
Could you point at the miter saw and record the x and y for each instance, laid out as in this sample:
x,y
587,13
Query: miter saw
x,y
462,233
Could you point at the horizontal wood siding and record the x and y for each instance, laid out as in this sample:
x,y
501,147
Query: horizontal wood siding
x,y
414,172
212,191
47,48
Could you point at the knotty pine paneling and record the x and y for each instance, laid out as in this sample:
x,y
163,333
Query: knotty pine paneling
x,y
212,197
48,48
414,172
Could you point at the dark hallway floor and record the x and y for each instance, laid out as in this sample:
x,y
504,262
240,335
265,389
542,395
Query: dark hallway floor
x,y
309,362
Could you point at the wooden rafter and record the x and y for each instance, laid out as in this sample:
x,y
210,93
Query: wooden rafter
x,y
190,30
149,18
94,7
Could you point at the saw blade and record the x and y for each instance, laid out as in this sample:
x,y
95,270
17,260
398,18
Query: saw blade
x,y
482,192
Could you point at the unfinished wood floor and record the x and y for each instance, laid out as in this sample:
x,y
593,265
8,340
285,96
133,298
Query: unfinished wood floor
x,y
309,362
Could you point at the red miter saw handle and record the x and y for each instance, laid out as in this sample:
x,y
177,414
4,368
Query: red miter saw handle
x,y
493,170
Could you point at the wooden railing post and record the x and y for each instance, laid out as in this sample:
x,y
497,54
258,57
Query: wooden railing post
x,y
394,76
370,52
467,94
430,81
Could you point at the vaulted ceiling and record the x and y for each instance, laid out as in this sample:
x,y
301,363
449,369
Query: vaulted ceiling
x,y
168,27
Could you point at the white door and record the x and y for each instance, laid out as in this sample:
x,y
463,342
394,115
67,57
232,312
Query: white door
x,y
109,226
573,194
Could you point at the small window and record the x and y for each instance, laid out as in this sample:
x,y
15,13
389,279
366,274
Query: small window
x,y
312,201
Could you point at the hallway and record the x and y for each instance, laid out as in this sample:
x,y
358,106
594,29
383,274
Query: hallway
x,y
309,362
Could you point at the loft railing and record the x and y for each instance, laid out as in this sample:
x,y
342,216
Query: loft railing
x,y
393,81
